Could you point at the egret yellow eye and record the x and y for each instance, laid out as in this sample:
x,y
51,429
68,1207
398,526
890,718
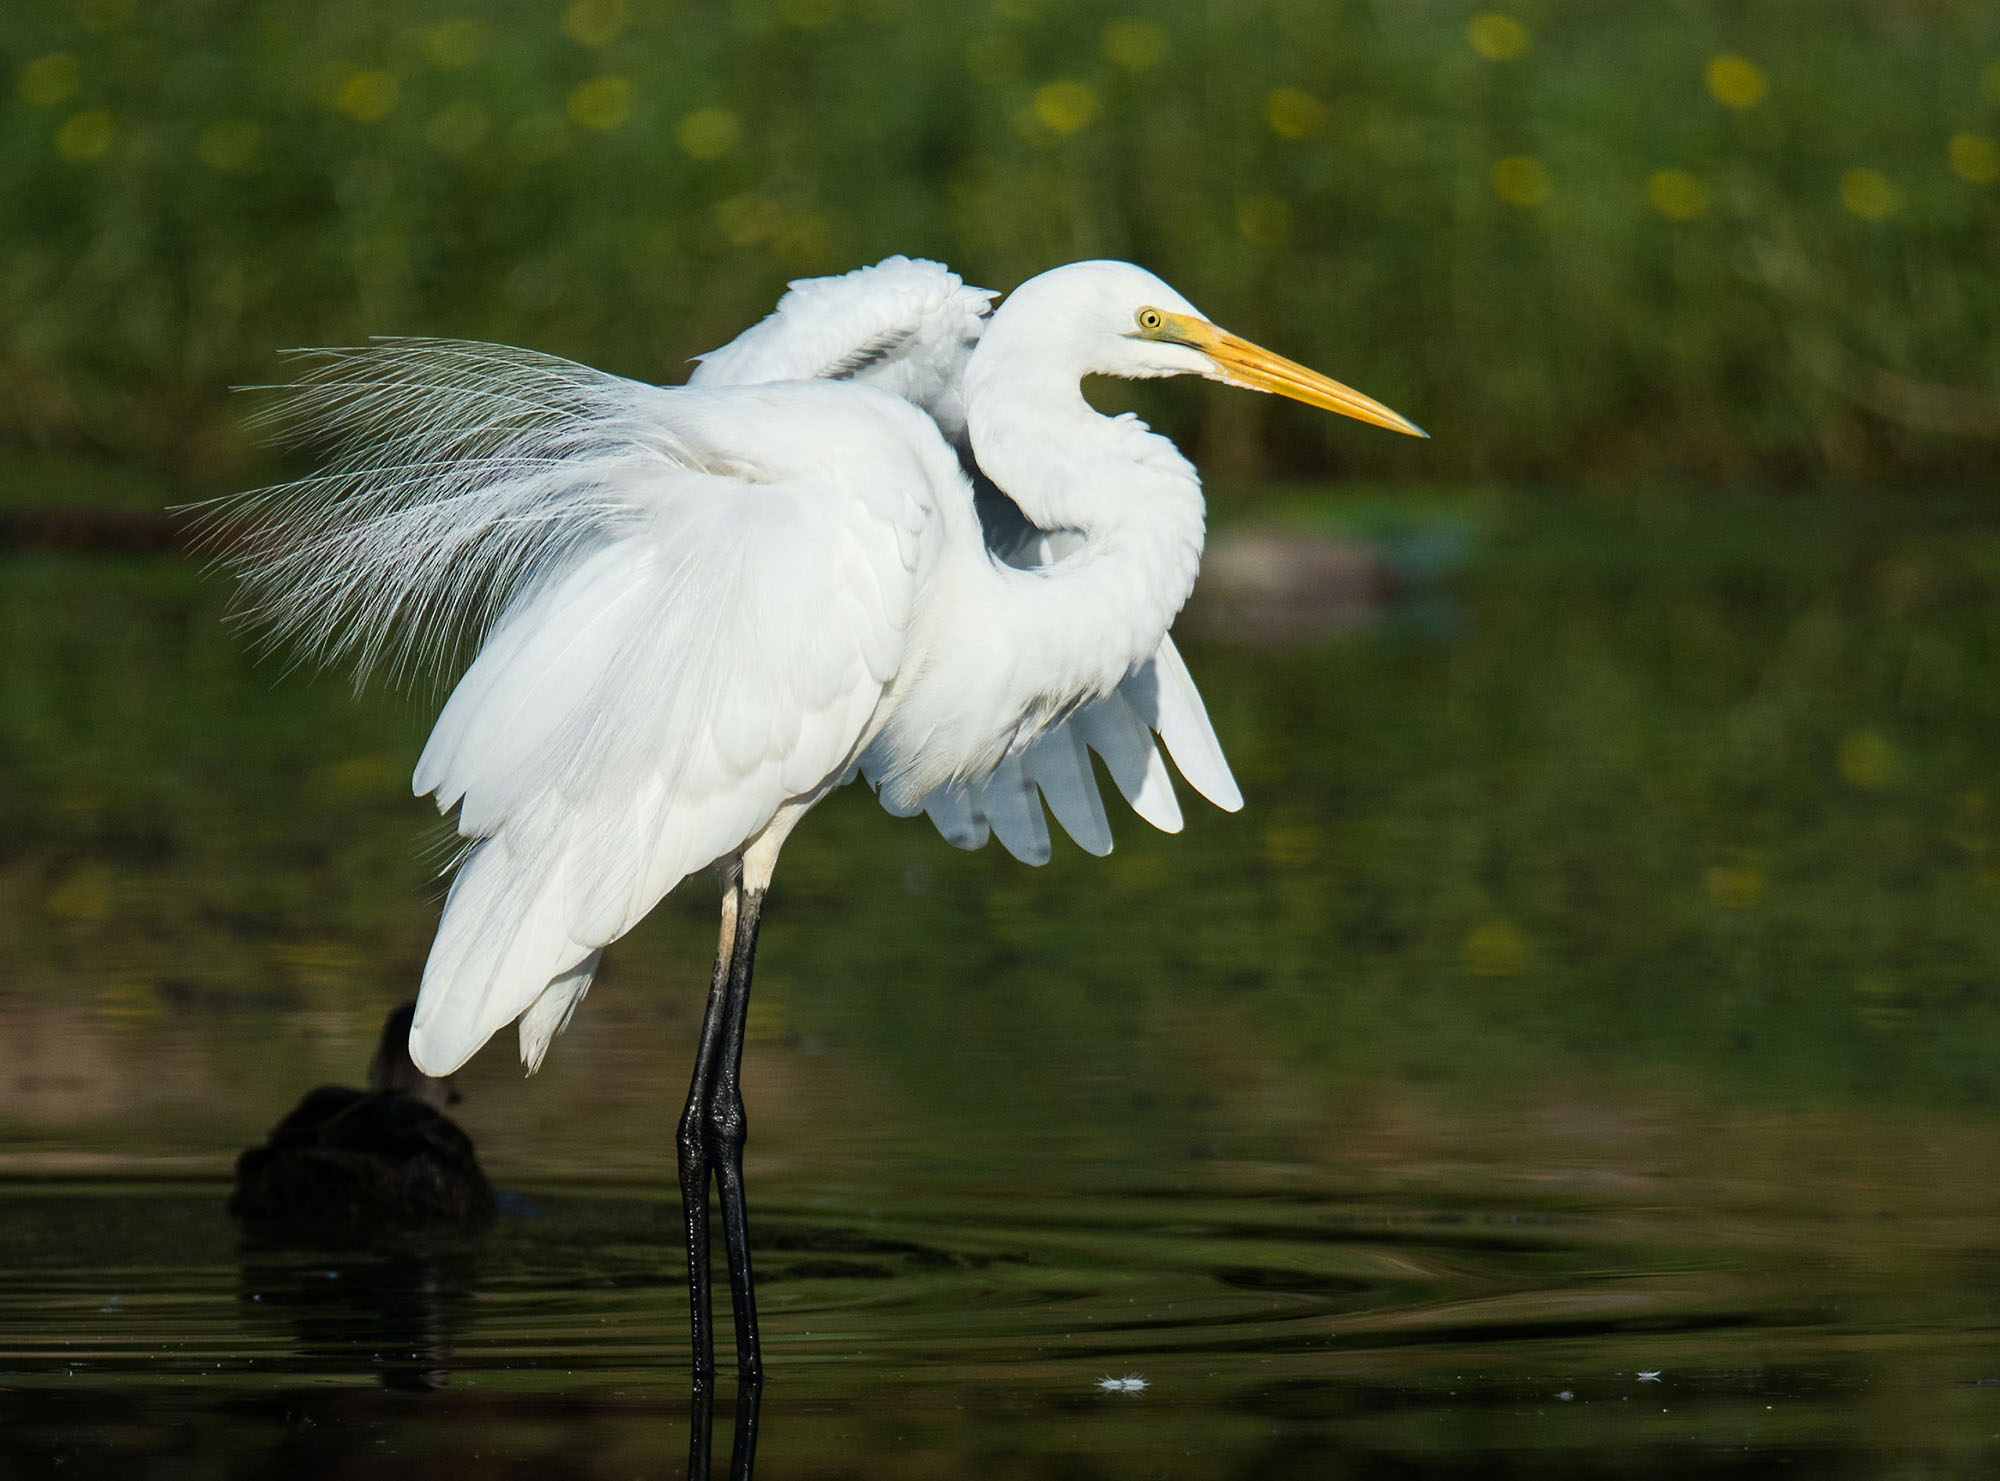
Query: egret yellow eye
x,y
1151,320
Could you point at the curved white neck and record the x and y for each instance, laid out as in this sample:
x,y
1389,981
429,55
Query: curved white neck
x,y
1126,491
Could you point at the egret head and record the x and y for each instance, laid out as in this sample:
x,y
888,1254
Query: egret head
x,y
1115,318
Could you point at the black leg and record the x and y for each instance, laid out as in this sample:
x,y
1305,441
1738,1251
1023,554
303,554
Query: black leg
x,y
727,1129
693,1146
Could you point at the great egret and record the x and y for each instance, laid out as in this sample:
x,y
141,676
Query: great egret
x,y
882,533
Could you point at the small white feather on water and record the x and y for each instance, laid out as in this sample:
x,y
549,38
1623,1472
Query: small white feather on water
x,y
1131,1383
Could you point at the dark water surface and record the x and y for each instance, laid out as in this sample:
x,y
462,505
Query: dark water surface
x,y
1580,1058
1283,1325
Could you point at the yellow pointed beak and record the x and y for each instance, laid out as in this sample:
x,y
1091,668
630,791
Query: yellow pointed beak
x,y
1240,363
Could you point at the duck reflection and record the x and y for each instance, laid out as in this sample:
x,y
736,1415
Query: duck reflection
x,y
383,1312
355,1215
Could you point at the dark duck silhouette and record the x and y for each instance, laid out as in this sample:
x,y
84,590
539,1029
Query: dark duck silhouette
x,y
347,1166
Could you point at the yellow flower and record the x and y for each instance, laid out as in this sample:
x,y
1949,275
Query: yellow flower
x,y
369,97
50,79
1497,37
1676,194
1736,82
1066,107
1496,949
710,133
1135,45
1735,886
1868,761
601,103
1975,158
594,22
1868,194
1521,180
86,136
1294,113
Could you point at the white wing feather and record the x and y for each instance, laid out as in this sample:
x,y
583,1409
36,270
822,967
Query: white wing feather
x,y
1162,694
1007,800
906,326
909,326
1111,728
463,473
1058,763
684,643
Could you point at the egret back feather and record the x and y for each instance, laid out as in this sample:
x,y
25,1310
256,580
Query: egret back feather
x,y
906,326
911,326
459,474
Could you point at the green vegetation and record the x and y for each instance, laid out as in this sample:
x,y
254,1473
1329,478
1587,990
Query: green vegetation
x,y
1750,240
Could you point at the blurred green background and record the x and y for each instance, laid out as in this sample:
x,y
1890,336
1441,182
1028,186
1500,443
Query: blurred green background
x,y
1750,241
1622,835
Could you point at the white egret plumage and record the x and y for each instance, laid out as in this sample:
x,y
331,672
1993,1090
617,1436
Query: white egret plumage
x,y
881,533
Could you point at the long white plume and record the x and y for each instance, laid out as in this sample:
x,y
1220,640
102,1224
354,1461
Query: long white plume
x,y
458,474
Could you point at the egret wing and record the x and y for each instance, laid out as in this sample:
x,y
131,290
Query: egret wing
x,y
653,713
1162,694
1158,697
904,325
698,616
1059,765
